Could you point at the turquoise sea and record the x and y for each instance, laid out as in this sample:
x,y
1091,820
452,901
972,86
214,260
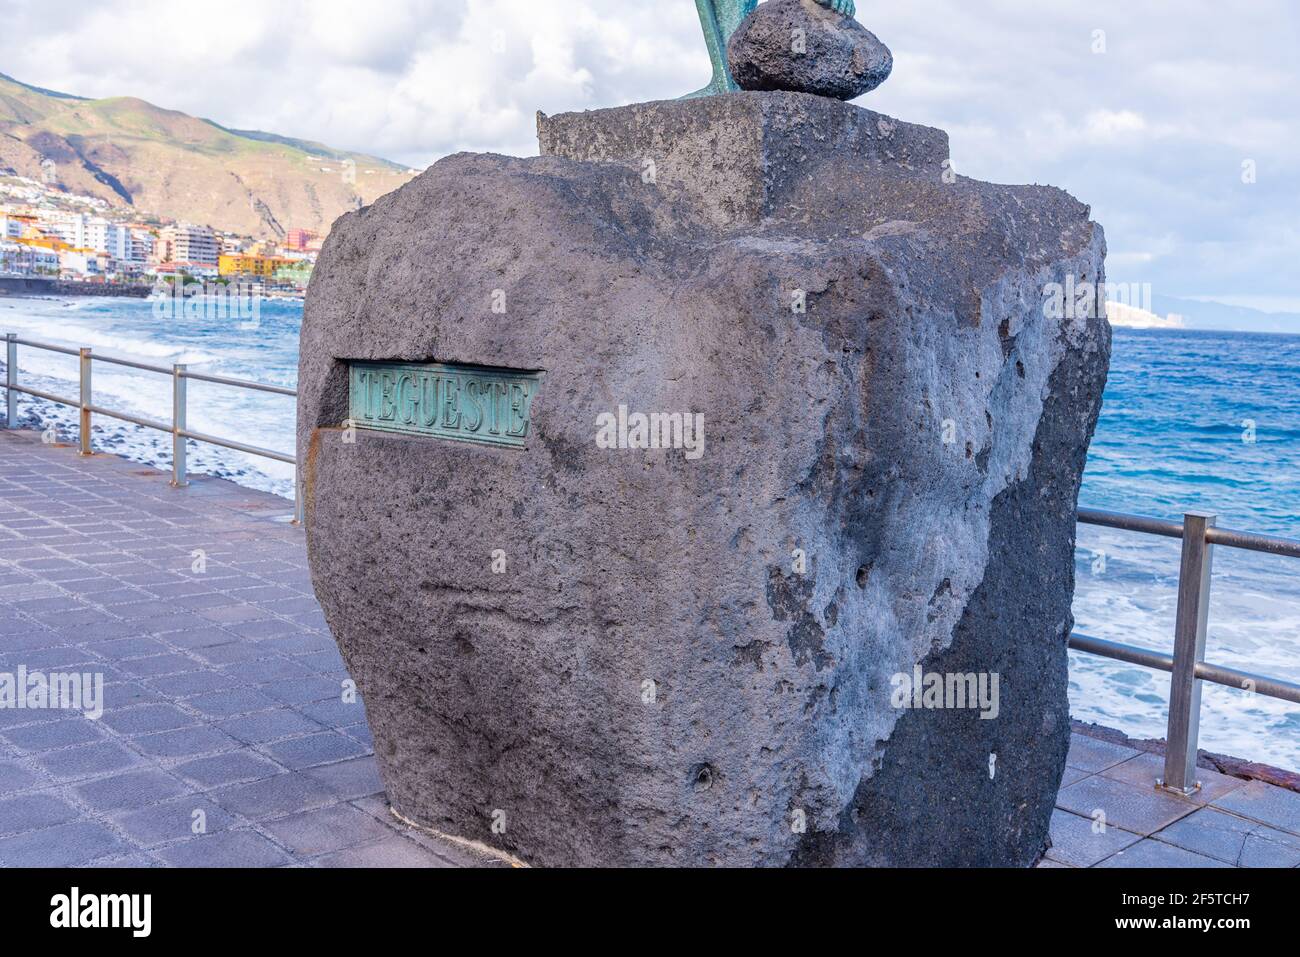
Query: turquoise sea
x,y
1192,420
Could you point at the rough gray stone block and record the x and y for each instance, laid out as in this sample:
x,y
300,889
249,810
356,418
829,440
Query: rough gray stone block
x,y
653,681
741,158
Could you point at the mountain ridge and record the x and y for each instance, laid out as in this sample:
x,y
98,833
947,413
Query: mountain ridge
x,y
166,163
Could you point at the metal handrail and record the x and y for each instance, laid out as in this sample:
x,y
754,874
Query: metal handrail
x,y
1199,533
179,432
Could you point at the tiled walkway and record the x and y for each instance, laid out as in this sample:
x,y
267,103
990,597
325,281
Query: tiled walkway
x,y
227,738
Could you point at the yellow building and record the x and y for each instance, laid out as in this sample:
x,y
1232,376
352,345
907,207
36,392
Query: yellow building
x,y
245,264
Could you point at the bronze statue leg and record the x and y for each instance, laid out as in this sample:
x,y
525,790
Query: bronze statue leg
x,y
719,20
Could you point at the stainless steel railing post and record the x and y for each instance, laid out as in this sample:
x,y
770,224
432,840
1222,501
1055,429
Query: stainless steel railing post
x,y
86,402
11,380
1189,651
179,479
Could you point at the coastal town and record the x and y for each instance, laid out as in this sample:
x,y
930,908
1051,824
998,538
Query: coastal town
x,y
47,233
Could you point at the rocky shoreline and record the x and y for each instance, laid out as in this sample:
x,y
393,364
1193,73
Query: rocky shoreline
x,y
39,286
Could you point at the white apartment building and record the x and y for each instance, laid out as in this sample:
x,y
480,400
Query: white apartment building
x,y
184,243
141,246
90,232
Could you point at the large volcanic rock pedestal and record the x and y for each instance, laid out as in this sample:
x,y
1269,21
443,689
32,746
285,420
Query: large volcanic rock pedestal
x,y
592,655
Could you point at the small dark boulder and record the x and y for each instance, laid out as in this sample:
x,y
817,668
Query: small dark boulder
x,y
801,46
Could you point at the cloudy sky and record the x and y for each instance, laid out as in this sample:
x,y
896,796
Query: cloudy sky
x,y
1147,110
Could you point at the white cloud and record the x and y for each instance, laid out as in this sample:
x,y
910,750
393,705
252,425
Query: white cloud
x,y
1103,125
1152,132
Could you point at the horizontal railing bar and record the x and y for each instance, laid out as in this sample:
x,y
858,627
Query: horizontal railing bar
x,y
146,366
1219,674
1244,680
1252,542
1130,653
138,420
1249,541
237,446
149,367
48,346
241,383
1131,523
48,396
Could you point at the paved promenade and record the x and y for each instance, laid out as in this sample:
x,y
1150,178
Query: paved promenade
x,y
225,700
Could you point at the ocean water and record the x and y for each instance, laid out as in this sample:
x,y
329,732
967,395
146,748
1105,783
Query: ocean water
x,y
1191,420
1194,421
264,350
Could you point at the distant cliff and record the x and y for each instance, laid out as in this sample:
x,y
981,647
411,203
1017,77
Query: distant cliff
x,y
134,154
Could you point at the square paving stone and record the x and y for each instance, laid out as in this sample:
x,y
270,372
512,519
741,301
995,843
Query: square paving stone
x,y
127,694
1081,842
225,704
305,643
37,637
174,820
17,717
1265,803
233,651
147,719
1153,853
1140,810
154,665
335,713
197,639
264,629
29,812
269,726
226,849
393,851
65,845
16,778
184,742
141,609
265,670
326,829
167,627
193,683
134,647
133,789
228,614
1094,754
315,749
86,760
1071,775
304,690
349,780
49,735
275,796
361,734
229,768
1233,840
